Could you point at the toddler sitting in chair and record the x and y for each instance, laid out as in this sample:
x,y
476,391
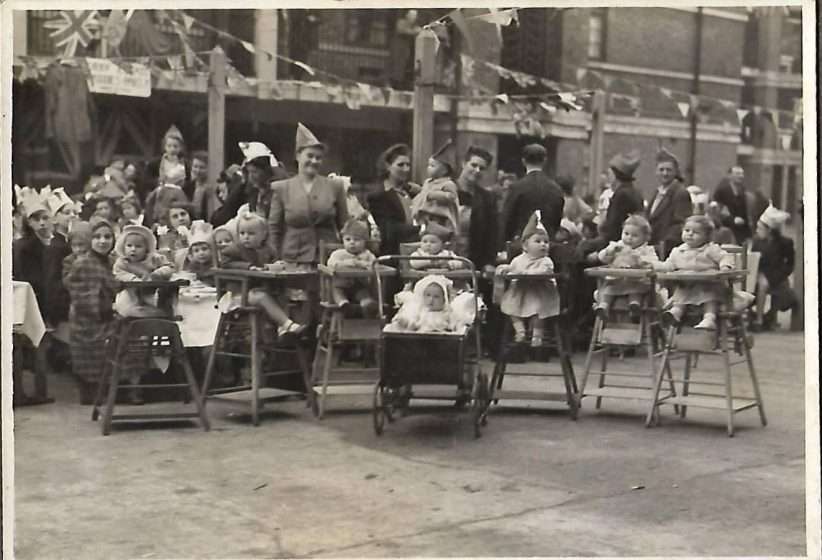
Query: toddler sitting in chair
x,y
698,254
354,255
631,251
138,260
433,238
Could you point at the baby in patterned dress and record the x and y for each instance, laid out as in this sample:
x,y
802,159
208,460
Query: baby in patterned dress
x,y
696,254
631,251
533,301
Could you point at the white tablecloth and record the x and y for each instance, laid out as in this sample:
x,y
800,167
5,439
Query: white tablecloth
x,y
197,307
27,317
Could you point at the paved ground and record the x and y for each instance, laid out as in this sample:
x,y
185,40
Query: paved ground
x,y
536,483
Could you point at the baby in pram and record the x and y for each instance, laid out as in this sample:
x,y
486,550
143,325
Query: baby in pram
x,y
433,309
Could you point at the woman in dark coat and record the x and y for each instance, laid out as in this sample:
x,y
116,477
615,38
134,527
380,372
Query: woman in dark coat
x,y
389,200
28,252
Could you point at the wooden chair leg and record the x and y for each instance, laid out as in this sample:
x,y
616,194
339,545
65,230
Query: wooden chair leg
x,y
686,385
752,371
589,358
653,412
113,384
212,359
329,359
255,369
726,359
302,360
180,353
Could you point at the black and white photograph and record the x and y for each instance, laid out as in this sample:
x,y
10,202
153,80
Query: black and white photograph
x,y
338,279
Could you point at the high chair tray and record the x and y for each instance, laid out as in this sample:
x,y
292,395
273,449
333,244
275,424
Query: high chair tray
x,y
153,283
448,273
707,276
541,276
602,271
382,270
236,274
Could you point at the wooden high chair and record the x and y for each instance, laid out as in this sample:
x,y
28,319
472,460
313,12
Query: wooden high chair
x,y
241,333
555,339
336,332
730,337
135,342
616,335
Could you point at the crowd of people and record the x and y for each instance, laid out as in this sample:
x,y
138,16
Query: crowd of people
x,y
164,220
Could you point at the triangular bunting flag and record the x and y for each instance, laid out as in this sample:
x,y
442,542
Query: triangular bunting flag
x,y
549,108
741,114
248,46
786,140
458,18
386,93
503,98
684,108
666,92
188,21
351,98
305,67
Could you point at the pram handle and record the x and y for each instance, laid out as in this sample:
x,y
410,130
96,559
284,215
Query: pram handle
x,y
386,258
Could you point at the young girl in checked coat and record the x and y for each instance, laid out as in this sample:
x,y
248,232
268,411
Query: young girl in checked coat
x,y
91,287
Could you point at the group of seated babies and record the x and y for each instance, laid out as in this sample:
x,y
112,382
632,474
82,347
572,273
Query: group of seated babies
x,y
697,253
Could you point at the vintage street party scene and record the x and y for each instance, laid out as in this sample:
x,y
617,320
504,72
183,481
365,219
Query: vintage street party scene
x,y
335,281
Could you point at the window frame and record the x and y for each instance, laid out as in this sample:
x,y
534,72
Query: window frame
x,y
602,15
372,18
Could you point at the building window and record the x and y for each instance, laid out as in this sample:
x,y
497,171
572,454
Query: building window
x,y
597,26
366,28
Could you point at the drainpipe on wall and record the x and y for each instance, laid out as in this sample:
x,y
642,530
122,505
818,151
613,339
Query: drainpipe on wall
x,y
695,91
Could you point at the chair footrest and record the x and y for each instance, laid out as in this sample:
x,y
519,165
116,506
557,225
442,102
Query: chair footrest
x,y
632,393
155,417
508,395
345,389
247,395
708,401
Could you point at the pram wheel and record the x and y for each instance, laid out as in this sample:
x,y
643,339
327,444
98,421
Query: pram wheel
x,y
380,411
480,404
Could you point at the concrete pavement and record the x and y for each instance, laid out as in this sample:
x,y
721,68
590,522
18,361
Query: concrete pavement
x,y
535,484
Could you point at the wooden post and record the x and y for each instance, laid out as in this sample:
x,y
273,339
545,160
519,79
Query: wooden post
x,y
798,315
597,157
425,52
216,114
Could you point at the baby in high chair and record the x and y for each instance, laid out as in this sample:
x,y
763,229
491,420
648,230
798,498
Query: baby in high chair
x,y
528,300
631,251
138,260
353,255
696,254
433,238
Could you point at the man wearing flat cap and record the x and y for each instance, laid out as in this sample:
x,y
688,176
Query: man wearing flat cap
x,y
535,191
626,200
670,204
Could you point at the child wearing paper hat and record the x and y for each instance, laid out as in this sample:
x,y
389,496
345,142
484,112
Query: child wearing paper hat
x,y
776,264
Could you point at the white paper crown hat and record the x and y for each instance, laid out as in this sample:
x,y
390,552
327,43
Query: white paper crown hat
x,y
32,201
773,217
253,150
200,232
57,200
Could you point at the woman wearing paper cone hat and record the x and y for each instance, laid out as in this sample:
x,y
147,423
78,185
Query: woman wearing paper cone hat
x,y
307,208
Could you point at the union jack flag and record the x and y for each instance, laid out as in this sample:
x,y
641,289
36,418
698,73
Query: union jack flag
x,y
73,27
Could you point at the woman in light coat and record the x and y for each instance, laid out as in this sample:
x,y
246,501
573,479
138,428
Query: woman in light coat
x,y
307,208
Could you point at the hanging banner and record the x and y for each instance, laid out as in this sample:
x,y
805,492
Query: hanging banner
x,y
107,77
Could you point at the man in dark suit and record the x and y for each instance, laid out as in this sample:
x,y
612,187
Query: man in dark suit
x,y
670,204
733,200
535,191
